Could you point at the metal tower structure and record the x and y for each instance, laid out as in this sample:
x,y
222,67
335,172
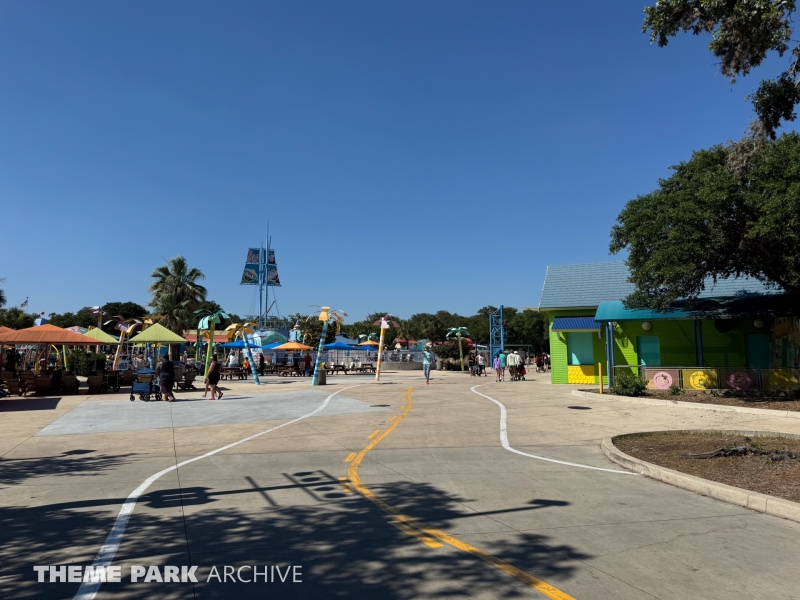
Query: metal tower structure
x,y
497,336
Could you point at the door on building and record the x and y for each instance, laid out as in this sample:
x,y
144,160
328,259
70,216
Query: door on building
x,y
579,348
649,350
757,350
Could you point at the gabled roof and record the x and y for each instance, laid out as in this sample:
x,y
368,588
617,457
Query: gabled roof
x,y
587,285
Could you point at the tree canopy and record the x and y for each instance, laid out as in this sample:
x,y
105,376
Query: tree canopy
x,y
743,33
705,221
521,327
176,294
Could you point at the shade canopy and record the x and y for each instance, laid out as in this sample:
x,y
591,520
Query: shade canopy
x,y
340,346
157,333
369,343
271,346
46,334
288,346
101,336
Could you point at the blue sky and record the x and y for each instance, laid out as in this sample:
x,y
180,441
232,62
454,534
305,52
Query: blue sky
x,y
410,156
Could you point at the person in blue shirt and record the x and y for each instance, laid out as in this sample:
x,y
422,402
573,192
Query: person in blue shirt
x,y
427,357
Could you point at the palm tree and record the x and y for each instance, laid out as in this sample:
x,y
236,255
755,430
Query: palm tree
x,y
177,281
176,293
326,316
208,322
459,332
243,330
405,332
2,293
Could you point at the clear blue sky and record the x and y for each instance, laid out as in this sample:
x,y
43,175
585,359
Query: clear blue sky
x,y
411,156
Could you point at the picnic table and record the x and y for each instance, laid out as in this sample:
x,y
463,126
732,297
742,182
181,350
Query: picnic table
x,y
230,372
335,368
365,368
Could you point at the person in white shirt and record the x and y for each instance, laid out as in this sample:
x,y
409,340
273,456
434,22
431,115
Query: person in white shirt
x,y
481,365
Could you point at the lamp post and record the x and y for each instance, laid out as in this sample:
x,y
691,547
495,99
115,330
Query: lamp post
x,y
383,323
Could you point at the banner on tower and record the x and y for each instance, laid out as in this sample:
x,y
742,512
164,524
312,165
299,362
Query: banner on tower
x,y
272,269
252,267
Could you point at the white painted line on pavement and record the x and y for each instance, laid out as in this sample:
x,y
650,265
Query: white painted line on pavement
x,y
108,550
504,442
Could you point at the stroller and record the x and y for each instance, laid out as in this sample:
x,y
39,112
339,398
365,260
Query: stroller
x,y
145,386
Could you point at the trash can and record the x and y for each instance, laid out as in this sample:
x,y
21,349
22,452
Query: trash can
x,y
323,376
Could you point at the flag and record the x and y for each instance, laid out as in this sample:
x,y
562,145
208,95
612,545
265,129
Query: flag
x,y
24,304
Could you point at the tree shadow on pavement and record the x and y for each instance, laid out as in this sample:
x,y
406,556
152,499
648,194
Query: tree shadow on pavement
x,y
73,462
347,546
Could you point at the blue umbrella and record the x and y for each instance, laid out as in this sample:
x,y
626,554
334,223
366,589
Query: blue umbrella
x,y
236,344
340,346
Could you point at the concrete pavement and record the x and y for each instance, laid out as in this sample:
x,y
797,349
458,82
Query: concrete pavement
x,y
286,498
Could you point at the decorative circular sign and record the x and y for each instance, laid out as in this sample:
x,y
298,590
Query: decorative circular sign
x,y
662,380
700,380
739,380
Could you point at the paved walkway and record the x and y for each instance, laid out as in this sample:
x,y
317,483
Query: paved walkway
x,y
378,495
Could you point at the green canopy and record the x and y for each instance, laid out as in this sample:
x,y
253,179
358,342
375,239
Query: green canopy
x,y
157,333
101,336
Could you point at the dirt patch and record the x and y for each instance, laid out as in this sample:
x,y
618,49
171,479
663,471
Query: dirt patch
x,y
754,472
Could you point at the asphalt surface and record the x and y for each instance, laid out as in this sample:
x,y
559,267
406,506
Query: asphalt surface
x,y
391,490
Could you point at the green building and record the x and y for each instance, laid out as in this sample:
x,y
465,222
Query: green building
x,y
738,334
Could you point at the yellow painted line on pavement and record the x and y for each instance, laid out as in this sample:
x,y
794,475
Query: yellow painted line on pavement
x,y
394,418
349,457
345,486
373,434
408,524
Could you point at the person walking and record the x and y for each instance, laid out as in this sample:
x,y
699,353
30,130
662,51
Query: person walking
x,y
511,362
427,357
166,378
481,366
471,362
503,364
262,364
498,368
307,364
214,372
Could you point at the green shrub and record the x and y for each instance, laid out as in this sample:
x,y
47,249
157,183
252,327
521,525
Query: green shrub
x,y
84,363
674,390
628,384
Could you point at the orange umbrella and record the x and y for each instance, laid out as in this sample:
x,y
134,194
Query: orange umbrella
x,y
369,343
46,334
288,346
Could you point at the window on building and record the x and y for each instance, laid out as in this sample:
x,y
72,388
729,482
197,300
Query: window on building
x,y
580,348
649,349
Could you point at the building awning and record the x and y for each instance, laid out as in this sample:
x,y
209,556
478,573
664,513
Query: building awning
x,y
575,324
735,307
614,310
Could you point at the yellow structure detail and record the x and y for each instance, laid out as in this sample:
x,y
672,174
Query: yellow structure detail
x,y
700,379
581,374
780,379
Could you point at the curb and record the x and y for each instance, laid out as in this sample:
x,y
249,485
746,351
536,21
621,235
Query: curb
x,y
770,505
790,414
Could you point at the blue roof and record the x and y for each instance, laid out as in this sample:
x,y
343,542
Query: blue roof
x,y
614,310
589,284
575,324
